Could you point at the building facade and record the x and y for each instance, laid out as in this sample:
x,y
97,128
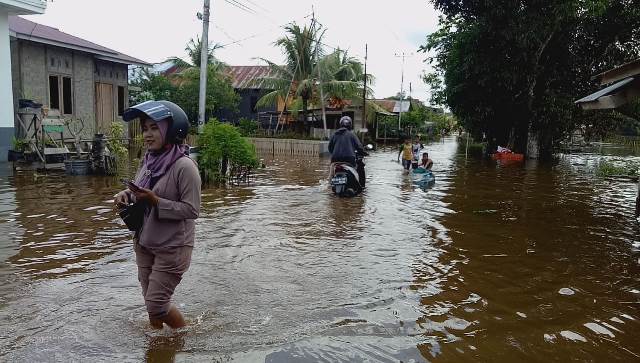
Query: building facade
x,y
74,79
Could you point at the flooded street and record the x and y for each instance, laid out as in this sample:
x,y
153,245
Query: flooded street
x,y
533,262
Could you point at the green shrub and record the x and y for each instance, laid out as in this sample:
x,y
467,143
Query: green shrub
x,y
248,127
222,148
19,144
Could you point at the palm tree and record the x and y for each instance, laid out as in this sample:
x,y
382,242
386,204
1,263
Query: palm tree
x,y
297,75
298,79
343,78
194,51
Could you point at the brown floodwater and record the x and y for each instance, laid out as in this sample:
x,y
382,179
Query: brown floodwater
x,y
494,262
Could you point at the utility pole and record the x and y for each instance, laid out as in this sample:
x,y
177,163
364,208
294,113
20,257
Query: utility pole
x,y
403,56
364,90
317,40
204,63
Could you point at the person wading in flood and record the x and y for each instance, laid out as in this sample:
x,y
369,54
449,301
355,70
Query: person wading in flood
x,y
407,154
426,162
168,183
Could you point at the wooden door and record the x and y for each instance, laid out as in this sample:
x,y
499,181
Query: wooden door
x,y
104,107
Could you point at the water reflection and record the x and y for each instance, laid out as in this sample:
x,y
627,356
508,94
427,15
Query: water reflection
x,y
65,223
535,231
495,262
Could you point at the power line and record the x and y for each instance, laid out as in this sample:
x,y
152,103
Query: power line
x,y
259,6
225,33
258,34
240,6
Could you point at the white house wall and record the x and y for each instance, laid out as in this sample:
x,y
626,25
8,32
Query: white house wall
x,y
15,72
6,92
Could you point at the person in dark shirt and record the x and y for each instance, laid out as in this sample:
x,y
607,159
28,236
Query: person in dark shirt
x,y
344,144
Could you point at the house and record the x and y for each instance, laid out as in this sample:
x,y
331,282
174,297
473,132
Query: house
x,y
623,86
394,106
73,78
245,81
10,8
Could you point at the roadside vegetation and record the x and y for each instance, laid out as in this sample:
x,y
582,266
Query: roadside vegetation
x,y
225,155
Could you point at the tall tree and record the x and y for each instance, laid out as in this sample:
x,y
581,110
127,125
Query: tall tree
x,y
342,76
513,68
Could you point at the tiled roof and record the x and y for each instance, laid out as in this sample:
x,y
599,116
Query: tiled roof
x,y
243,77
26,29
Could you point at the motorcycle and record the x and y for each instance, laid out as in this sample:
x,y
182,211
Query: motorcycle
x,y
347,181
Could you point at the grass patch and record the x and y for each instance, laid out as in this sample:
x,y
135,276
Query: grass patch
x,y
475,149
608,169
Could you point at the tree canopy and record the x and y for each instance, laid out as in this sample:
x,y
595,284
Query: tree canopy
x,y
183,87
307,66
514,68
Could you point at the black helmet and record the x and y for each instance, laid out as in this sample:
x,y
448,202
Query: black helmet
x,y
158,111
345,122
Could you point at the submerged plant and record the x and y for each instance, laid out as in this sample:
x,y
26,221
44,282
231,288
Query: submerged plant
x,y
224,153
607,168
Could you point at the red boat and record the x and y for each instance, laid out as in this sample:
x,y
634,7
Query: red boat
x,y
507,156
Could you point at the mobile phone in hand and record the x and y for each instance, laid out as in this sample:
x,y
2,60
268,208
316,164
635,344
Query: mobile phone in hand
x,y
130,184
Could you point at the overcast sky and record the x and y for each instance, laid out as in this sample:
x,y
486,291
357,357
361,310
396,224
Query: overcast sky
x,y
153,30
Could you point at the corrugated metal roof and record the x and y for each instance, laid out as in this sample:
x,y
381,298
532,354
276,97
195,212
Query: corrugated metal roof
x,y
628,69
388,105
29,30
405,106
603,92
394,105
243,77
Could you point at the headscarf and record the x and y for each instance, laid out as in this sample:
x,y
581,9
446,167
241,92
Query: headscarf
x,y
157,162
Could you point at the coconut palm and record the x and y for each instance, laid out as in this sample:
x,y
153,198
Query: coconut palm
x,y
343,78
297,75
194,51
297,80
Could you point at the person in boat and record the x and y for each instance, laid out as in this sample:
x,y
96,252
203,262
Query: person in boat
x,y
168,184
406,151
425,162
504,149
344,145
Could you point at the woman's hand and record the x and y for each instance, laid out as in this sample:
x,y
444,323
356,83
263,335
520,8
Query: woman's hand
x,y
121,199
147,195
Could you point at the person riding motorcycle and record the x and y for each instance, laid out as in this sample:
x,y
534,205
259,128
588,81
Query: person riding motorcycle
x,y
344,145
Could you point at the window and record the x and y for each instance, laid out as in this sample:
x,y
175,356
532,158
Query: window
x,y
54,93
67,96
120,100
61,94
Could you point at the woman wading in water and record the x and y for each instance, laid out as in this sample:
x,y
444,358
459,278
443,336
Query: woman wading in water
x,y
168,185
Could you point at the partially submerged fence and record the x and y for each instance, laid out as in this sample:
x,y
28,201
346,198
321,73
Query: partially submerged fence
x,y
290,146
274,146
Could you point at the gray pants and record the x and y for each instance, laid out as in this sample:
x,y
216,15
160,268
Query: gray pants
x,y
159,272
